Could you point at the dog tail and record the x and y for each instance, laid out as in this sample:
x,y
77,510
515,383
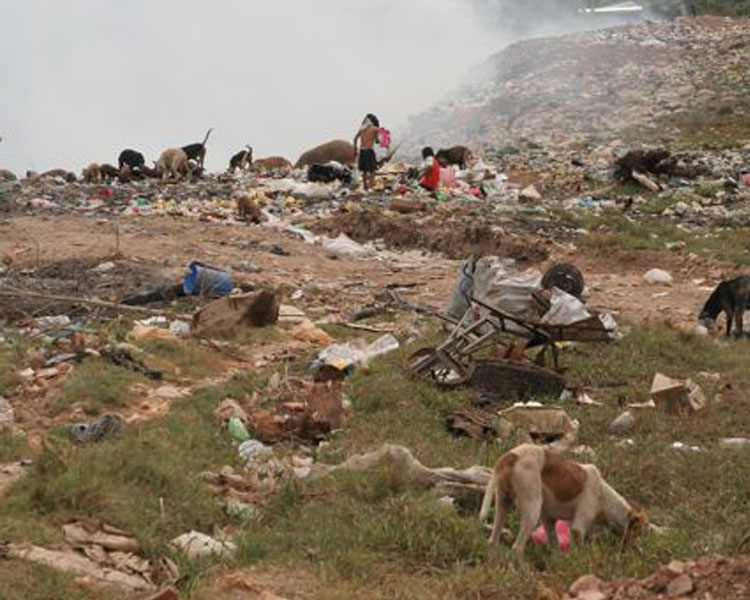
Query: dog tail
x,y
489,496
205,139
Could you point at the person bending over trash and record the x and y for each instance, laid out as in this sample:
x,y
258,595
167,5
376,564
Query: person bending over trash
x,y
368,161
430,170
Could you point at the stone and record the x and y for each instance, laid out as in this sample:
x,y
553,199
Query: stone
x,y
623,423
584,583
532,194
7,417
658,277
680,586
168,593
676,567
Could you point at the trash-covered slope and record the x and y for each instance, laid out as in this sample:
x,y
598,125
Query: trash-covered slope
x,y
667,80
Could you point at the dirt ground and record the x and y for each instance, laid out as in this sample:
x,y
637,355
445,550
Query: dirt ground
x,y
164,246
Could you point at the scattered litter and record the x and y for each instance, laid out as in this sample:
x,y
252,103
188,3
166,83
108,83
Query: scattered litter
x,y
343,247
734,443
197,545
686,447
57,321
584,399
677,396
207,281
180,329
107,427
547,425
345,357
238,430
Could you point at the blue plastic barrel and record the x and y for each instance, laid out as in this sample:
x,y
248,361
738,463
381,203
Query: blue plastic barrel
x,y
205,280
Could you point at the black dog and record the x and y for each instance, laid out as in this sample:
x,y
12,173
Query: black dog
x,y
457,155
197,152
329,173
731,297
243,160
131,158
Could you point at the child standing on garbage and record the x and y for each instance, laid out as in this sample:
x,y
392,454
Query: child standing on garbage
x,y
368,161
431,170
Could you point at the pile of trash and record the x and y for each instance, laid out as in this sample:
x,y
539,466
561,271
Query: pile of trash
x,y
720,578
584,88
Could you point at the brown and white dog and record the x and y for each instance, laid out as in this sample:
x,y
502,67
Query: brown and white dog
x,y
173,164
544,486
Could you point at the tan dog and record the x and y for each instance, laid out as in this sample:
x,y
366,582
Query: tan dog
x,y
92,173
271,163
543,485
173,163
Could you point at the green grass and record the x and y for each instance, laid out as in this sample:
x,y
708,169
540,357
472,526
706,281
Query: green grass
x,y
98,386
374,535
121,481
25,581
182,359
13,446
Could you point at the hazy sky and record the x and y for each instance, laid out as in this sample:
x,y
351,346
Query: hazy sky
x,y
83,79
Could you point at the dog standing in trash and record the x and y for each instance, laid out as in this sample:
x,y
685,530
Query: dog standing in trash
x,y
731,297
243,160
543,485
173,164
197,151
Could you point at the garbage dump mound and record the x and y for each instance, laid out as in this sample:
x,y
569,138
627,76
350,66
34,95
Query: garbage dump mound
x,y
454,239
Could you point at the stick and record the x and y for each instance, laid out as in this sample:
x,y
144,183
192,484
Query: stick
x,y
368,328
76,300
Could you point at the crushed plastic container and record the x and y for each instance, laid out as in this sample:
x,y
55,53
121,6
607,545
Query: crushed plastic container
x,y
205,280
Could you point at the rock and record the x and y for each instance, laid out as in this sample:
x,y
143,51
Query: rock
x,y
700,330
680,586
7,416
531,194
170,392
169,593
658,277
623,423
585,582
592,595
676,567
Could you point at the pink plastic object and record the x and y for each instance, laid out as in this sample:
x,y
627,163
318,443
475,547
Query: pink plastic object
x,y
745,179
562,529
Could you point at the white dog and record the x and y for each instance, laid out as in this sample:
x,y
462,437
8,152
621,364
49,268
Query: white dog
x,y
173,164
543,485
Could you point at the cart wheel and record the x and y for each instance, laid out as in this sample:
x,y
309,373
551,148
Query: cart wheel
x,y
565,277
425,364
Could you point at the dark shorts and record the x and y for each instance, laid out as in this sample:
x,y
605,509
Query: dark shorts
x,y
368,162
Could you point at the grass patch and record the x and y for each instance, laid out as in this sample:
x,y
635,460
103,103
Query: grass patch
x,y
98,385
26,581
373,534
13,446
184,359
122,481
